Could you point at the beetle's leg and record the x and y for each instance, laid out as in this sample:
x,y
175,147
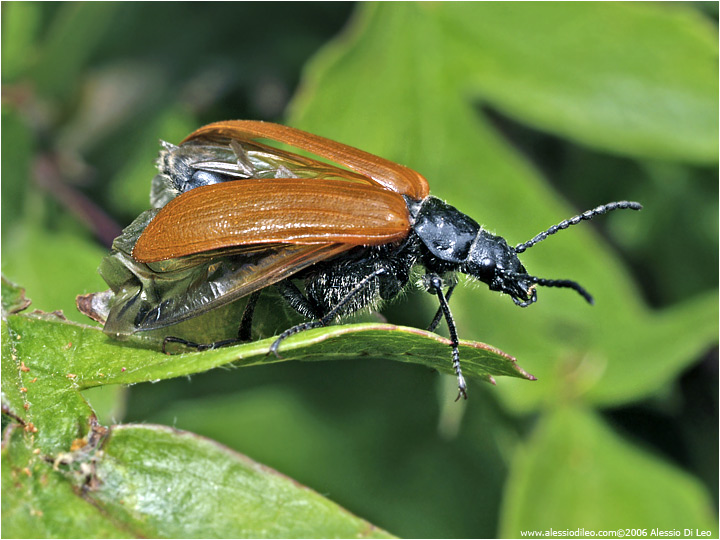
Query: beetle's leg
x,y
435,283
439,314
173,339
244,332
198,346
364,282
297,300
330,315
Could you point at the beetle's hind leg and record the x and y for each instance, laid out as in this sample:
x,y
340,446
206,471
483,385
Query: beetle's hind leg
x,y
245,330
326,319
198,346
243,336
297,300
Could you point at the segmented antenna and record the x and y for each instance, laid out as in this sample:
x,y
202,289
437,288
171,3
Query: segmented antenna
x,y
605,208
563,284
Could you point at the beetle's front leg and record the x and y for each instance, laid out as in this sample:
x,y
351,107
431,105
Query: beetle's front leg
x,y
439,313
435,284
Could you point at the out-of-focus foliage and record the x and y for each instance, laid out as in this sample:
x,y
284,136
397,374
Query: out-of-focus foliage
x,y
520,114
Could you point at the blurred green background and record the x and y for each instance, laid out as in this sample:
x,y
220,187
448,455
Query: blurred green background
x,y
520,115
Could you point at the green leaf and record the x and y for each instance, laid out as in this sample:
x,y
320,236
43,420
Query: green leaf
x,y
77,348
38,389
391,444
47,362
53,361
575,472
632,79
55,451
154,481
421,116
635,79
39,502
167,483
13,298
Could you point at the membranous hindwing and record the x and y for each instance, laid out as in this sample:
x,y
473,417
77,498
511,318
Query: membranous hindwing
x,y
200,296
205,161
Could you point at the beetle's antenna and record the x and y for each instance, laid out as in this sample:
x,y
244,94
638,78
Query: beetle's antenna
x,y
564,284
603,209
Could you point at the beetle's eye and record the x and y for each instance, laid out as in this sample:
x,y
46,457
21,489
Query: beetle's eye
x,y
486,268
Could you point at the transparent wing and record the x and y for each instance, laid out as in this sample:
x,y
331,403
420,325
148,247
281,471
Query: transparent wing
x,y
152,296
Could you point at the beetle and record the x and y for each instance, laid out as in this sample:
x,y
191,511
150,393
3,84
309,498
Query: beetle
x,y
234,216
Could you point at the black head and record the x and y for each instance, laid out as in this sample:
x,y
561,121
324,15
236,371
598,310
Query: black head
x,y
456,242
493,261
